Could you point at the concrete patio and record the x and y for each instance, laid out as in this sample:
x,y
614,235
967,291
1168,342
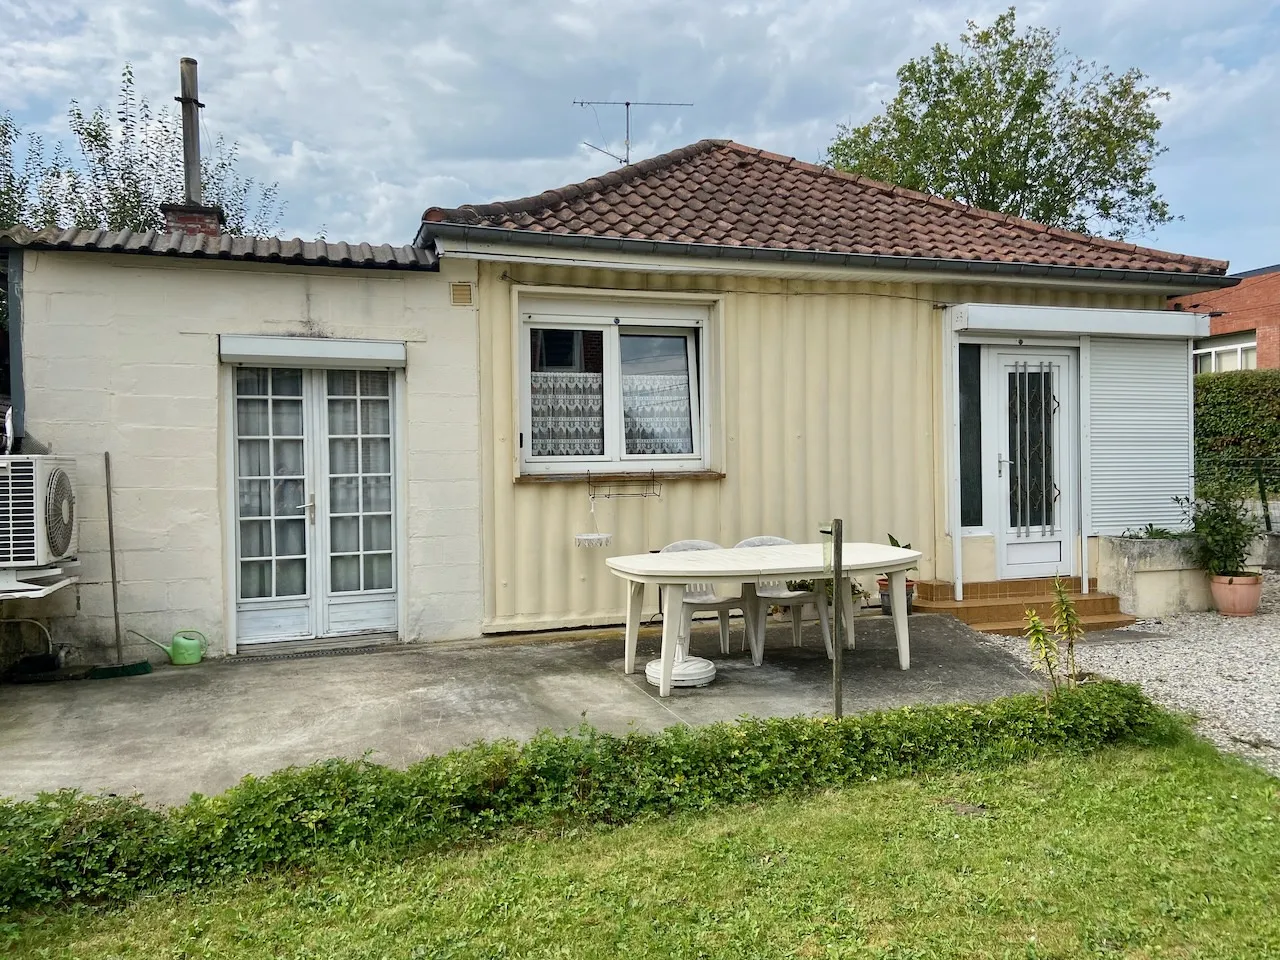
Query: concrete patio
x,y
200,729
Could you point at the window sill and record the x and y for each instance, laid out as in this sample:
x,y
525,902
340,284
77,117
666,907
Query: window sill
x,y
633,476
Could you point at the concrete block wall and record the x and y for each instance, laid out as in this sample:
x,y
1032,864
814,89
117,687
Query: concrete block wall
x,y
121,354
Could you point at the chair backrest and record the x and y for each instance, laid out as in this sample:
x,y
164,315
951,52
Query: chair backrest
x,y
694,591
767,542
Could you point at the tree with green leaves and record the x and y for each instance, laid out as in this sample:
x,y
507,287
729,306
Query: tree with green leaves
x,y
122,169
1014,123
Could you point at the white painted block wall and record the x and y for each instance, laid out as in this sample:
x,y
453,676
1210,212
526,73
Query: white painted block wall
x,y
121,354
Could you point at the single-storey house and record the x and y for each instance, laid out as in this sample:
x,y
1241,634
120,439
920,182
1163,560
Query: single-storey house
x,y
715,343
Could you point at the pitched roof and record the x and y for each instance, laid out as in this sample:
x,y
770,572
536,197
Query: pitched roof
x,y
223,247
721,193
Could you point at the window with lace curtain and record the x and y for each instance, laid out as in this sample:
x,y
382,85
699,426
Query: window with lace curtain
x,y
606,396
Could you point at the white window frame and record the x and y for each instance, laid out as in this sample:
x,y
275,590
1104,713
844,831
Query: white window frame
x,y
614,320
1214,352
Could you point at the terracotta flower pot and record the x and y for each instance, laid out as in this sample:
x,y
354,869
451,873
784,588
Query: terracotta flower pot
x,y
1236,596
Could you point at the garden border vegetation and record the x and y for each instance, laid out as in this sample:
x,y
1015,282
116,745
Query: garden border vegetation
x,y
69,846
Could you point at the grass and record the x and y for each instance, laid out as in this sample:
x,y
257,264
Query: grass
x,y
1128,853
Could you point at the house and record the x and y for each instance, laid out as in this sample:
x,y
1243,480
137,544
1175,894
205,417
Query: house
x,y
778,343
323,442
1244,324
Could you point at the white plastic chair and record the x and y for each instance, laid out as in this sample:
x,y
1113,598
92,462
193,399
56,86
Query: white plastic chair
x,y
778,594
702,596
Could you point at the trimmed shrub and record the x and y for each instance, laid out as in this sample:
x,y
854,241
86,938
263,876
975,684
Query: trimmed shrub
x,y
1237,417
68,846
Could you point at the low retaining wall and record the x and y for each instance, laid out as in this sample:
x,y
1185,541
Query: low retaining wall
x,y
1158,578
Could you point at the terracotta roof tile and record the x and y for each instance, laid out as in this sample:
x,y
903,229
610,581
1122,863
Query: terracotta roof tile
x,y
723,193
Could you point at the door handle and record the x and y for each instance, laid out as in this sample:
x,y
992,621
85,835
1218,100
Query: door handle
x,y
1000,462
310,507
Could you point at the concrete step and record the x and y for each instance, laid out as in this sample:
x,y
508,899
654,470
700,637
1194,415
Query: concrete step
x,y
998,610
1015,628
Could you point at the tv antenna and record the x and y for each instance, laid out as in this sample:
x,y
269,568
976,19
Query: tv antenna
x,y
626,105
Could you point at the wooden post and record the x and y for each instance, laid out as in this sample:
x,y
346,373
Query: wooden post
x,y
837,635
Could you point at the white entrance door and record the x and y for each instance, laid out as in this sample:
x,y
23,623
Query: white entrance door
x,y
1036,486
315,530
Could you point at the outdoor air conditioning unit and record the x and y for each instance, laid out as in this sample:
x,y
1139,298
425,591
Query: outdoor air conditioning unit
x,y
37,511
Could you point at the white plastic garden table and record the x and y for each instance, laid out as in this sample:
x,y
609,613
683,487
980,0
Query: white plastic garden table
x,y
747,567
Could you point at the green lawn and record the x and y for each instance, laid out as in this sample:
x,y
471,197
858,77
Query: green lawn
x,y
1128,853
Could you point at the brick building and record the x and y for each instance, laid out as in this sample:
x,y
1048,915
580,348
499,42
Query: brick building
x,y
1245,324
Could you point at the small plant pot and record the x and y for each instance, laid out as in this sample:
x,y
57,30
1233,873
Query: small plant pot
x,y
886,601
1238,595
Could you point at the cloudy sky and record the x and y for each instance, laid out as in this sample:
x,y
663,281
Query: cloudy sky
x,y
367,112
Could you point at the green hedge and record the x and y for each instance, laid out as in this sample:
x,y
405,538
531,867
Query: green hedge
x,y
1238,417
68,846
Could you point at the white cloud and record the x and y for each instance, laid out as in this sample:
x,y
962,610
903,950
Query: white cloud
x,y
368,113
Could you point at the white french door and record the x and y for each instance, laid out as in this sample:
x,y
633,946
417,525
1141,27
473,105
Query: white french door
x,y
1037,494
315,503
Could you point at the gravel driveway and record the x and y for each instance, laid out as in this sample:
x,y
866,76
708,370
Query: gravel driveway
x,y
1225,671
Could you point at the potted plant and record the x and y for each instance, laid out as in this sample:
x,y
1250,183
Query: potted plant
x,y
1222,531
886,605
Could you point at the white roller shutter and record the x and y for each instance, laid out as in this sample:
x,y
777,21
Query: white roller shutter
x,y
1138,433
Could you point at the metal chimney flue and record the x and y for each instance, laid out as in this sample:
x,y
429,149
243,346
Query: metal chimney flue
x,y
191,216
190,99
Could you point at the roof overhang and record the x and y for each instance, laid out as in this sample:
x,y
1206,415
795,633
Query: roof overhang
x,y
665,256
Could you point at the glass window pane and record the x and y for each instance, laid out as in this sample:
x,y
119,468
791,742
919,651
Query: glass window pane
x,y
377,494
251,418
286,418
375,416
342,383
255,498
255,578
377,571
286,383
566,393
344,572
289,496
344,535
342,417
288,458
344,495
291,538
1031,469
1204,363
251,382
1249,358
255,458
344,456
656,407
291,578
970,435
377,455
375,383
377,533
255,538
1228,360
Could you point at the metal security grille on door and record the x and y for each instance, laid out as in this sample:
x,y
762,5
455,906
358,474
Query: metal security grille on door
x,y
315,503
1033,490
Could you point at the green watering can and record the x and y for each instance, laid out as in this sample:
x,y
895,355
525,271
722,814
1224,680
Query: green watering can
x,y
187,646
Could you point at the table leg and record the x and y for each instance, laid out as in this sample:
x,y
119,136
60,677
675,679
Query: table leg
x,y
672,620
850,611
898,597
635,603
749,615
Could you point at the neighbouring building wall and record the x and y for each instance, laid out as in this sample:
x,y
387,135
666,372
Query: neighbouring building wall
x,y
832,401
121,355
1252,307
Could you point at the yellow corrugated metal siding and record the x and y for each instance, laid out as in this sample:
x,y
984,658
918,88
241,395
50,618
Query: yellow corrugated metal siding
x,y
832,396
